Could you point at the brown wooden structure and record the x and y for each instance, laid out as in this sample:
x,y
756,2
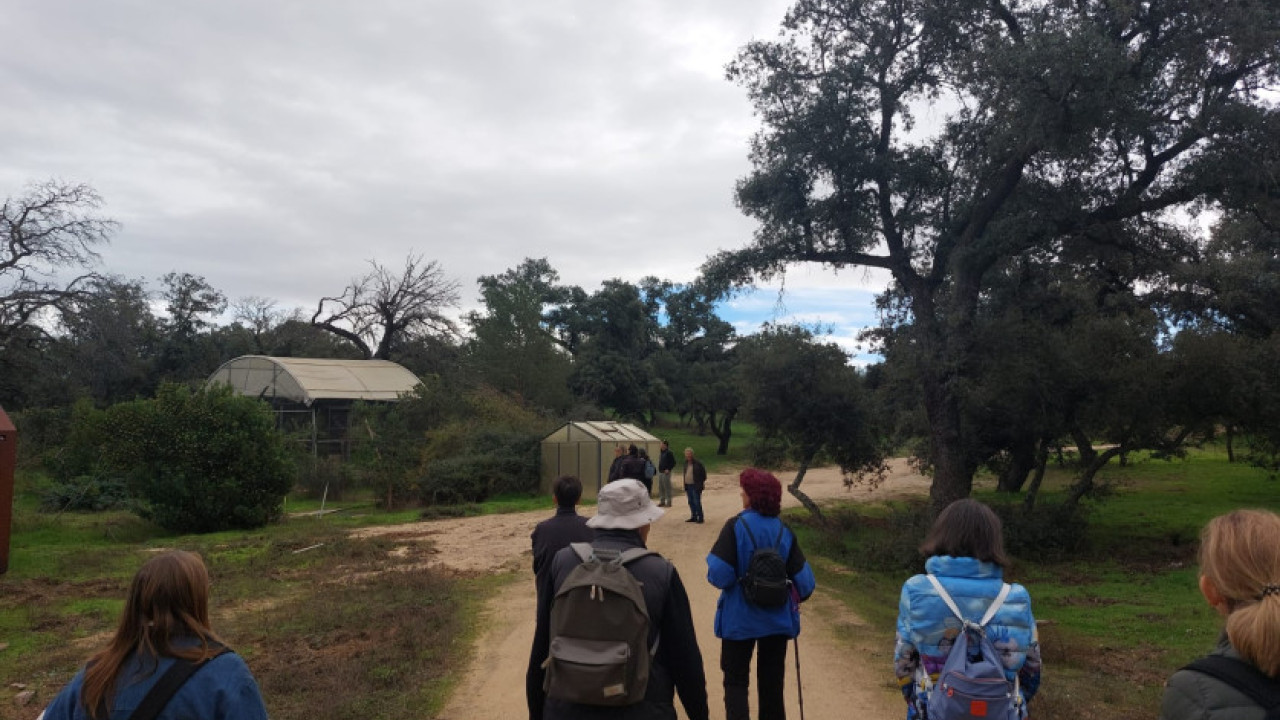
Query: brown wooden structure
x,y
8,465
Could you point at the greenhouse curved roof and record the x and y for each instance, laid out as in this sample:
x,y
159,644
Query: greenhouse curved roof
x,y
306,380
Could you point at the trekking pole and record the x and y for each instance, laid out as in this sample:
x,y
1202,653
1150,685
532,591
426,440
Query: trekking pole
x,y
799,685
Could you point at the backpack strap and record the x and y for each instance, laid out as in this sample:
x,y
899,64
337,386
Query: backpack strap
x,y
991,609
629,556
586,551
583,550
1242,676
167,686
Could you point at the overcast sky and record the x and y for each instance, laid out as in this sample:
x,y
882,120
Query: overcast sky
x,y
274,147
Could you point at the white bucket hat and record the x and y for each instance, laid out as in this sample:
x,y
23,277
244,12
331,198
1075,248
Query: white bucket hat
x,y
624,505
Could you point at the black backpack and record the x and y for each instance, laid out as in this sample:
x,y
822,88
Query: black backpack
x,y
765,582
1244,677
599,652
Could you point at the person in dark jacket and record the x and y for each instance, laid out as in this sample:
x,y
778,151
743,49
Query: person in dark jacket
x,y
666,463
615,467
165,620
623,519
1240,578
743,626
632,467
549,537
695,479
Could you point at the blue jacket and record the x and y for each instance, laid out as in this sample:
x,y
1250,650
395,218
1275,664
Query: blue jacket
x,y
926,626
222,690
736,617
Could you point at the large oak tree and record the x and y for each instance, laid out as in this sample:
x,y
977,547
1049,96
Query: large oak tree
x,y
941,140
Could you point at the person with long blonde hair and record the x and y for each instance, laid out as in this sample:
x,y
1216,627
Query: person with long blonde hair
x,y
164,656
1240,578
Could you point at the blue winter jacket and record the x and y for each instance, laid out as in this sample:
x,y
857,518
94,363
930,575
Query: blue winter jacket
x,y
736,617
927,627
221,690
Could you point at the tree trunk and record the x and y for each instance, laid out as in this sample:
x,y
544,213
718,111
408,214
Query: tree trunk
x,y
700,420
952,474
1022,460
1042,461
1090,469
794,489
1231,436
723,430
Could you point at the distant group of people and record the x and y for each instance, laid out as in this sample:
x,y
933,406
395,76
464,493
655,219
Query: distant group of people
x,y
165,662
632,461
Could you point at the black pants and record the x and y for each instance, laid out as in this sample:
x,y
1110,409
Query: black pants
x,y
771,673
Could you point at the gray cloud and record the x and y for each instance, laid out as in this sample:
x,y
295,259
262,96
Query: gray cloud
x,y
275,147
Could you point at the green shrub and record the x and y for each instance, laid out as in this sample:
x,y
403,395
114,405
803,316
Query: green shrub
x,y
197,460
891,540
888,541
768,452
85,492
1051,532
41,433
81,453
494,463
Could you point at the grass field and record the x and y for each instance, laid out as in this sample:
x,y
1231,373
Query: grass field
x,y
321,645
1120,617
705,446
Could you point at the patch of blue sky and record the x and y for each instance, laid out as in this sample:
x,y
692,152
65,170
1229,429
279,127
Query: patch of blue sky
x,y
840,314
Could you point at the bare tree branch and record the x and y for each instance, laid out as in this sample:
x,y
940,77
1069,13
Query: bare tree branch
x,y
382,309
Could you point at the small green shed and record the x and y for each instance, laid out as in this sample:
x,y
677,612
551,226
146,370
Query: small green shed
x,y
585,449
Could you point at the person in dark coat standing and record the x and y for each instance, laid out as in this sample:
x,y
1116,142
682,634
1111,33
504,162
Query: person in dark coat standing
x,y
549,537
695,478
623,519
633,467
666,463
615,467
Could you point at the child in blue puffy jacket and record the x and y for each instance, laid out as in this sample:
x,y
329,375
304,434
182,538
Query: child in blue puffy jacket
x,y
965,551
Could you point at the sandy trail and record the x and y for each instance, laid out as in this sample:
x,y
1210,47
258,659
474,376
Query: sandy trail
x,y
837,683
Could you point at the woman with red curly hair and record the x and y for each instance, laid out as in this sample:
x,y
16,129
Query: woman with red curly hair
x,y
745,618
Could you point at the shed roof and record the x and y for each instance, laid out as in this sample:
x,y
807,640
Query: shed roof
x,y
306,380
600,431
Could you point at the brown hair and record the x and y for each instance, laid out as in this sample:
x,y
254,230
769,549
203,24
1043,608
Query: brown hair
x,y
168,599
967,528
1240,555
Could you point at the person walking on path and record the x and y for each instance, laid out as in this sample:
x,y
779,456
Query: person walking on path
x,y
623,520
695,479
164,627
666,463
965,551
549,537
1240,578
741,624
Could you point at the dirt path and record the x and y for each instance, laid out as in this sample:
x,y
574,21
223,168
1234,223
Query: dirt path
x,y
837,682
